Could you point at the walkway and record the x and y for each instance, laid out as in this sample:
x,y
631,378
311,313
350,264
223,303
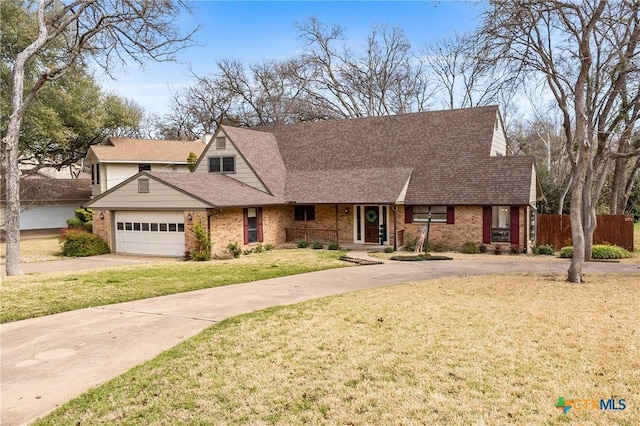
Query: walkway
x,y
47,361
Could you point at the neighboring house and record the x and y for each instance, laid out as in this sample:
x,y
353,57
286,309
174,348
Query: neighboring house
x,y
365,180
120,158
47,203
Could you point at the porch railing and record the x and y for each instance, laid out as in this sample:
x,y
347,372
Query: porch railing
x,y
293,235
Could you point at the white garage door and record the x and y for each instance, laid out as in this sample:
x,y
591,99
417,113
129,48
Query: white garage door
x,y
154,233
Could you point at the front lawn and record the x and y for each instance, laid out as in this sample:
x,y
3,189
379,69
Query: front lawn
x,y
465,350
35,295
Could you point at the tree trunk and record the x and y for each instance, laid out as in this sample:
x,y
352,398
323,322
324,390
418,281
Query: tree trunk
x,y
577,231
617,201
12,217
565,190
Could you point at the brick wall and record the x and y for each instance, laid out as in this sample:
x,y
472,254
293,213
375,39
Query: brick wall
x,y
102,227
197,216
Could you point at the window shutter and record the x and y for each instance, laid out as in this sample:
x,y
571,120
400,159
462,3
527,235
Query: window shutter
x,y
515,226
259,217
311,212
451,215
408,214
486,225
245,225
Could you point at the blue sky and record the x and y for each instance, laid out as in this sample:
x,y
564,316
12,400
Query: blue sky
x,y
254,31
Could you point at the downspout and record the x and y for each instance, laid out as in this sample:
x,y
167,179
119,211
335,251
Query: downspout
x,y
337,235
395,227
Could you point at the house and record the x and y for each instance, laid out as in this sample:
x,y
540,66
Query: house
x,y
121,158
47,203
364,180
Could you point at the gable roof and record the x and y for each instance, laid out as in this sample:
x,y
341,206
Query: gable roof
x,y
125,150
446,153
261,152
216,189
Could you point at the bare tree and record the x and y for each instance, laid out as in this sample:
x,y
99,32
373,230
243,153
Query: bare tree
x,y
108,31
381,81
587,55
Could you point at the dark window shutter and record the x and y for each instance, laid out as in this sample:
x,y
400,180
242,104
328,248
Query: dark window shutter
x,y
245,223
311,212
515,226
408,214
259,215
451,215
486,225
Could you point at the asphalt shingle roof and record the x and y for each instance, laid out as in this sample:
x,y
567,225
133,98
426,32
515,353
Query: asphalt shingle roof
x,y
146,150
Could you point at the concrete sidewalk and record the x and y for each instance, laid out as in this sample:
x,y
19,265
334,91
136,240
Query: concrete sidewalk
x,y
47,361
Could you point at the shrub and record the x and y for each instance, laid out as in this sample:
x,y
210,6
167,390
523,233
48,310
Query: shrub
x,y
79,243
303,244
410,243
88,226
247,252
438,248
84,215
470,248
482,248
388,249
74,222
599,252
269,247
544,249
334,246
497,249
258,249
234,249
514,249
202,249
317,246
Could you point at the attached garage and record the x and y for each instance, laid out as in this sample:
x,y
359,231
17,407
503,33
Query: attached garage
x,y
158,233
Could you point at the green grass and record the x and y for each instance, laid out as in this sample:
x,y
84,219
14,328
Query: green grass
x,y
36,295
464,350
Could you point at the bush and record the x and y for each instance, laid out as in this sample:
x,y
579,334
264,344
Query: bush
x,y
334,246
544,249
74,222
601,252
317,246
79,243
482,248
258,249
247,252
410,243
303,244
234,249
497,249
269,247
388,249
470,248
202,251
88,226
84,215
514,249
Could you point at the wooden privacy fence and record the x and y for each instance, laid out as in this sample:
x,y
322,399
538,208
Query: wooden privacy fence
x,y
555,229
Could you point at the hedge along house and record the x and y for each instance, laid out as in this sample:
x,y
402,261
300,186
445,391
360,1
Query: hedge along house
x,y
366,181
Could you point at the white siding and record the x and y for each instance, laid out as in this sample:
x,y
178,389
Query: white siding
x,y
50,216
160,196
499,141
533,192
115,174
243,173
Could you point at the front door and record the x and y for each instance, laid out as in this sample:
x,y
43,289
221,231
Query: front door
x,y
371,224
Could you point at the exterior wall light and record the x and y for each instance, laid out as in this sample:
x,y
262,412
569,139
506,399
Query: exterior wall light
x,y
189,217
101,216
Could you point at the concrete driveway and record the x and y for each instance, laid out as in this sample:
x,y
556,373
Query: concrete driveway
x,y
47,361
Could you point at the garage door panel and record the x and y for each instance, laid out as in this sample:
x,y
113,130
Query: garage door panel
x,y
151,232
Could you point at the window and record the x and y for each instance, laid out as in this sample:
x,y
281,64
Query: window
x,y
143,186
438,213
500,224
304,213
221,142
144,167
252,225
95,174
222,164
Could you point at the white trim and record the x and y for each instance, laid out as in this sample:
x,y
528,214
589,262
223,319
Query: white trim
x,y
403,193
362,222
